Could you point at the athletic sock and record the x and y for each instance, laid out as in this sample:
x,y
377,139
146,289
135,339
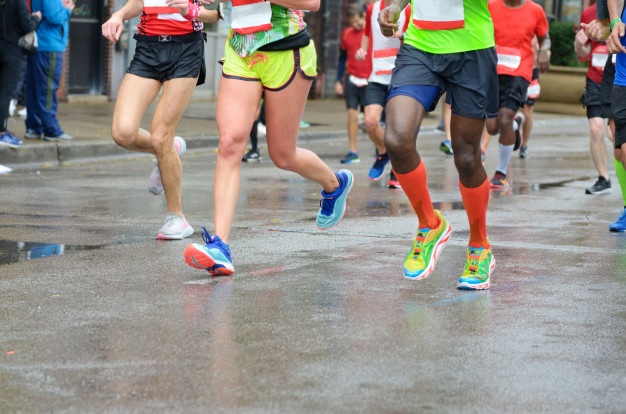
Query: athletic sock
x,y
504,156
476,201
415,186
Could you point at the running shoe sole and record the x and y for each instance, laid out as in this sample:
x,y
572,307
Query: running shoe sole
x,y
186,233
197,257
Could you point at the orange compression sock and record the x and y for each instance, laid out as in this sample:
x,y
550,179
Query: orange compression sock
x,y
415,186
476,201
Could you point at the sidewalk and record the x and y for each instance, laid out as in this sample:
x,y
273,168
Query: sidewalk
x,y
90,123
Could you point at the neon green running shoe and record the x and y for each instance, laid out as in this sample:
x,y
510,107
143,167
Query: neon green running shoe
x,y
478,267
428,244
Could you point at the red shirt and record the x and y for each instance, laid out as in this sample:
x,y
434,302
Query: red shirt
x,y
514,32
599,52
157,21
351,42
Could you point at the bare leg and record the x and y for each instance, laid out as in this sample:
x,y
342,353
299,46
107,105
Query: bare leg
x,y
176,96
232,146
597,146
373,113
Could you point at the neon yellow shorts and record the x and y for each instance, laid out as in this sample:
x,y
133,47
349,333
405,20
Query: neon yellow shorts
x,y
275,70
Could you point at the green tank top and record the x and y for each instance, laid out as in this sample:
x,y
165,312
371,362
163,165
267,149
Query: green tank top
x,y
285,22
476,33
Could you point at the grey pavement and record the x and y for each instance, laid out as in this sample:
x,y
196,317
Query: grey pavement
x,y
97,316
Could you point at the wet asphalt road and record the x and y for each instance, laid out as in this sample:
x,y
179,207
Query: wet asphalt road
x,y
312,322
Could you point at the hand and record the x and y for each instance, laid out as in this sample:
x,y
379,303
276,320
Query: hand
x,y
543,60
596,31
181,5
361,54
338,88
581,38
614,42
37,14
387,19
112,28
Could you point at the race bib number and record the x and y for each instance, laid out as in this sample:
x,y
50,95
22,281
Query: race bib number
x,y
509,58
438,14
251,16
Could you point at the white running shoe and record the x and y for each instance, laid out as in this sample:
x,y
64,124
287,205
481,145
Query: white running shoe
x,y
175,228
22,112
155,185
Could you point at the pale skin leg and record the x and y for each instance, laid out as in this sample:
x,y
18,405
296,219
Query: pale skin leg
x,y
597,146
353,128
373,113
134,97
527,110
239,100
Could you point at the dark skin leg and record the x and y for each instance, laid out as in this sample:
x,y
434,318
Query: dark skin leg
x,y
404,118
466,134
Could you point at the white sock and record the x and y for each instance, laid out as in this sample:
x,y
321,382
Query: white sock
x,y
504,156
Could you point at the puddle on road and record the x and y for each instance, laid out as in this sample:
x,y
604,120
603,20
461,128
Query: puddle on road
x,y
12,251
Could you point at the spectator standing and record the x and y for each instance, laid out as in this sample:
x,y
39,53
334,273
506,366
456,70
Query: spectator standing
x,y
15,21
43,71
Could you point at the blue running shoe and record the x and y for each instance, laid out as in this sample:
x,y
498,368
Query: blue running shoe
x,y
620,225
214,256
333,205
378,169
9,140
351,158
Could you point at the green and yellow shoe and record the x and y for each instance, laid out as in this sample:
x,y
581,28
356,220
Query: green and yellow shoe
x,y
478,267
428,244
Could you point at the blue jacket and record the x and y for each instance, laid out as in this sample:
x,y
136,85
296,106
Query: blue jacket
x,y
54,29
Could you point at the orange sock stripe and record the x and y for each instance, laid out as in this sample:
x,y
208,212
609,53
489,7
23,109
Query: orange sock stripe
x,y
476,201
415,186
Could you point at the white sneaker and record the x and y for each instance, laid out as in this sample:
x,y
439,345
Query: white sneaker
x,y
175,228
12,106
155,185
4,169
22,112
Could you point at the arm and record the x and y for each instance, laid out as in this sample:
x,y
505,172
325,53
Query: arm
x,y
192,11
112,28
614,40
543,56
56,13
361,54
28,22
582,46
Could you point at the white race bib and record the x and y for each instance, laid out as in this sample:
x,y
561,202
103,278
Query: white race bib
x,y
438,14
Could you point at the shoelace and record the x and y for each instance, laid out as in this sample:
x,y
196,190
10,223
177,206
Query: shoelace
x,y
420,238
474,259
206,236
327,204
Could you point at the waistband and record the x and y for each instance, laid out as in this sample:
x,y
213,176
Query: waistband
x,y
188,38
